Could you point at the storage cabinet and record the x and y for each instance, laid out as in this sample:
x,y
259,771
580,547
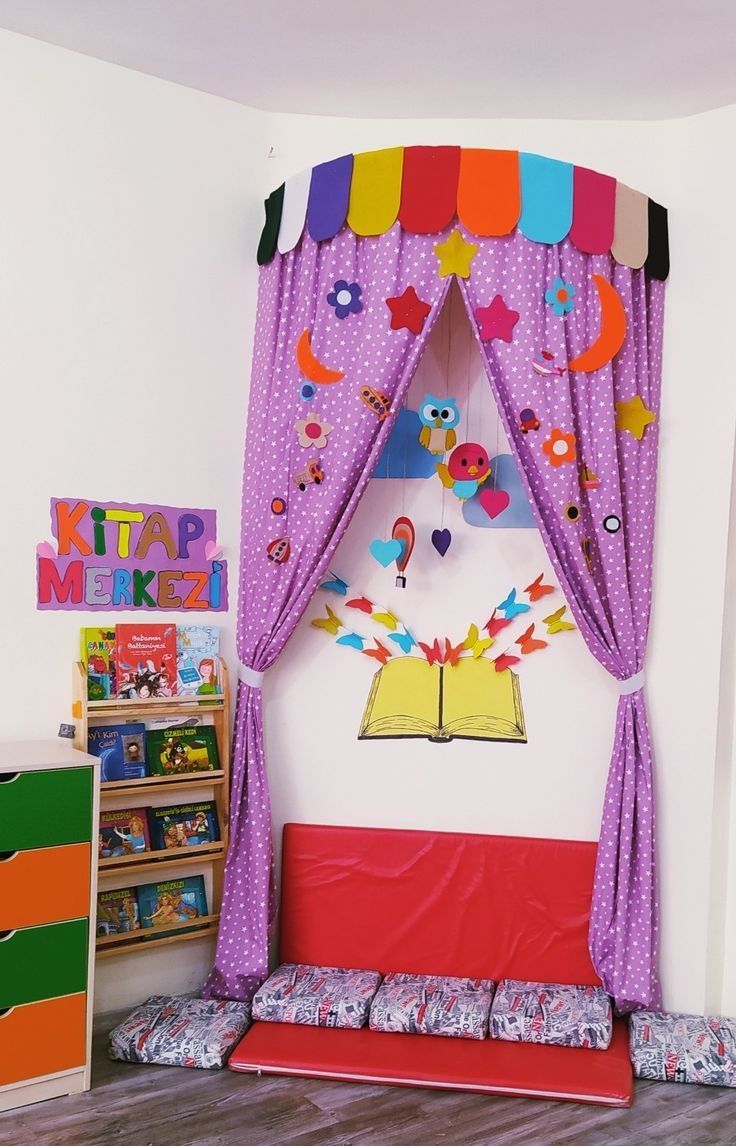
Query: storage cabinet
x,y
49,800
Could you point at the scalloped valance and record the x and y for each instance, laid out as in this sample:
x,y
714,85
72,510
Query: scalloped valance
x,y
490,192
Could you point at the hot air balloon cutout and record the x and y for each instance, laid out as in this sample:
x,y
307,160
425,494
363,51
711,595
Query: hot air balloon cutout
x,y
512,631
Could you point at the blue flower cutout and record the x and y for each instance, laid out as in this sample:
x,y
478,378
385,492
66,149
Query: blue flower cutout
x,y
345,298
561,296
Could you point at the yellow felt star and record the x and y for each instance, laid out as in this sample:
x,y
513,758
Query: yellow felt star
x,y
634,417
455,255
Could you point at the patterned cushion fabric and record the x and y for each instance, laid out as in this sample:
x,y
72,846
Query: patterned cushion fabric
x,y
316,996
432,1005
553,1013
683,1048
175,1030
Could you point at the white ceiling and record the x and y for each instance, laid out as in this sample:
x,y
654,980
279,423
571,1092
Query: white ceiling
x,y
592,59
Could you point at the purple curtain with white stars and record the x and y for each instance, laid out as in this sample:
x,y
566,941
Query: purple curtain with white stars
x,y
591,485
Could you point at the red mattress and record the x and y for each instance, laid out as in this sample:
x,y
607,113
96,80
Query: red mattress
x,y
438,903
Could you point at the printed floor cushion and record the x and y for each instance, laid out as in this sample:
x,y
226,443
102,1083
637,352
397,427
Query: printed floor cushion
x,y
176,1030
432,1005
553,1013
673,1047
316,996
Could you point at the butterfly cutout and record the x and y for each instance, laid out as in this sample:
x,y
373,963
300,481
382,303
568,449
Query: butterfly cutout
x,y
336,585
506,660
511,607
331,623
555,624
352,640
452,653
475,643
361,603
494,626
387,619
432,652
380,653
529,643
404,640
538,589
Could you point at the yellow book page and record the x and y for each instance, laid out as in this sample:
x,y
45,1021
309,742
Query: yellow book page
x,y
404,700
479,702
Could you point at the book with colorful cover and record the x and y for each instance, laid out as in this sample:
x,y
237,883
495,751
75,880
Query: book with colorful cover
x,y
145,661
121,749
123,832
197,659
183,825
172,901
117,911
98,658
172,751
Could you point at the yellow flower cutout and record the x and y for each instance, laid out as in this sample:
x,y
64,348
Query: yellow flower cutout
x,y
312,433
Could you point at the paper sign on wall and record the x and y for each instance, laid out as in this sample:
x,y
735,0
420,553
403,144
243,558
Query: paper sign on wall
x,y
116,556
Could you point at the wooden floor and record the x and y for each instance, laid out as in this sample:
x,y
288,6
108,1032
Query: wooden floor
x,y
167,1106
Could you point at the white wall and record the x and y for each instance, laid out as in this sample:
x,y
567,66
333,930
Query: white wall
x,y
129,215
129,210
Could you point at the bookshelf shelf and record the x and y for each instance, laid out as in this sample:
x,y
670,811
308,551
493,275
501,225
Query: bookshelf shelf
x,y
153,791
206,852
151,785
148,937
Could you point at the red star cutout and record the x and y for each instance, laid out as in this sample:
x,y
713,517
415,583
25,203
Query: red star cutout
x,y
408,311
496,320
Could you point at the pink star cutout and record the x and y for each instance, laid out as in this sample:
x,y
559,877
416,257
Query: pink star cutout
x,y
408,311
496,320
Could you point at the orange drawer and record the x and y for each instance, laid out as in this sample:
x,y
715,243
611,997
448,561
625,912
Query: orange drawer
x,y
44,886
42,1038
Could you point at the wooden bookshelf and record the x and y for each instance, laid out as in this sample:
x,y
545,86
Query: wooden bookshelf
x,y
159,791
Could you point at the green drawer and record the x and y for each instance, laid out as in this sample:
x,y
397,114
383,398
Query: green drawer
x,y
43,962
42,809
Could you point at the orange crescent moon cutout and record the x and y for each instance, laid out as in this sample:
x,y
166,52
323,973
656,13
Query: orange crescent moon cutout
x,y
310,366
612,332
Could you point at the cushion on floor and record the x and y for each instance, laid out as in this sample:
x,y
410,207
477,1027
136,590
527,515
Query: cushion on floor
x,y
316,996
175,1030
554,1013
673,1047
432,1005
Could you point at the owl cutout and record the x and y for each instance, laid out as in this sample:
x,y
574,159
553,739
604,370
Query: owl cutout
x,y
438,416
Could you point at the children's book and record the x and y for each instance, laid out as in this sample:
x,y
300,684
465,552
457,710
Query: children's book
x,y
117,911
121,749
123,833
468,701
172,901
197,656
145,661
182,749
183,826
98,658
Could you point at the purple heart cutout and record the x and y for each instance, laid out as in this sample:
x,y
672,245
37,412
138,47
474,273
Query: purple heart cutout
x,y
441,539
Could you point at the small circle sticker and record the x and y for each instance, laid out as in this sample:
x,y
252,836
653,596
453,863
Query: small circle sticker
x,y
612,523
572,512
278,506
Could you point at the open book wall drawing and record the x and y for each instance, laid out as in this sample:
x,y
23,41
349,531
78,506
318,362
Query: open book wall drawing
x,y
468,701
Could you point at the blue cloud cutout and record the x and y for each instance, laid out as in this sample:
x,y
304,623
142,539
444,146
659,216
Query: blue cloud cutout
x,y
518,514
402,455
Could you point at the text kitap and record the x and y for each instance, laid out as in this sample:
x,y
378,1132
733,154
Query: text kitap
x,y
115,555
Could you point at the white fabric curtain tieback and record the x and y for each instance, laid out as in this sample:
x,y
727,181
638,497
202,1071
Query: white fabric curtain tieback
x,y
633,684
250,676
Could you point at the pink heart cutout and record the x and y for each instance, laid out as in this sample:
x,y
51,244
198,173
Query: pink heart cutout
x,y
212,550
494,501
46,549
